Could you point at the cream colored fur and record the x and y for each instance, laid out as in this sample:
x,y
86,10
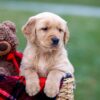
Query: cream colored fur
x,y
41,59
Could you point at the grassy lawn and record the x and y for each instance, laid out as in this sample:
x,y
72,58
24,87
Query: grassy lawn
x,y
84,51
80,2
83,48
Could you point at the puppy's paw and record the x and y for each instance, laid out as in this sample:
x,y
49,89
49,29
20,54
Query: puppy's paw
x,y
32,88
51,89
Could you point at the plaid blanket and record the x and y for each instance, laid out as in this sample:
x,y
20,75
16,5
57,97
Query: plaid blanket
x,y
13,88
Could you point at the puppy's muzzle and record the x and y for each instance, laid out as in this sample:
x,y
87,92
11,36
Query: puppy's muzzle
x,y
55,41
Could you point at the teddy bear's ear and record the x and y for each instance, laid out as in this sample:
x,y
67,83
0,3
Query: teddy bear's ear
x,y
10,25
28,28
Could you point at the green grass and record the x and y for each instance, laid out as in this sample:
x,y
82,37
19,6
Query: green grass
x,y
83,49
80,2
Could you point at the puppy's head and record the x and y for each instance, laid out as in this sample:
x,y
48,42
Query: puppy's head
x,y
46,30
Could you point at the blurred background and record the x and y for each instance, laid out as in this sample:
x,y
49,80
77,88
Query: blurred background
x,y
83,17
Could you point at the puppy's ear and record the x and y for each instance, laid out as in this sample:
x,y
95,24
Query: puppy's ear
x,y
28,28
66,35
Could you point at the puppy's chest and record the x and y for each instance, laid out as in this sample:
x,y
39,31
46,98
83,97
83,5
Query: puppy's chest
x,y
42,66
42,63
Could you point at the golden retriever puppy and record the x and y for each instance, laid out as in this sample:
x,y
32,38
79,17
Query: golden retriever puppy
x,y
45,54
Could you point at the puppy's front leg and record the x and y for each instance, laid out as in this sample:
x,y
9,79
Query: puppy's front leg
x,y
53,83
32,81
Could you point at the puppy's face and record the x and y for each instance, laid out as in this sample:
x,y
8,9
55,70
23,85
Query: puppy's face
x,y
47,30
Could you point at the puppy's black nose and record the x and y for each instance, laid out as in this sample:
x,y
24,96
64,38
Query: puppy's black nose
x,y
55,41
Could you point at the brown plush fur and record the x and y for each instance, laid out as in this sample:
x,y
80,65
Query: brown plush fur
x,y
8,43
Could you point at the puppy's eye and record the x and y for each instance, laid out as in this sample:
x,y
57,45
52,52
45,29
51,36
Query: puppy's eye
x,y
44,28
60,30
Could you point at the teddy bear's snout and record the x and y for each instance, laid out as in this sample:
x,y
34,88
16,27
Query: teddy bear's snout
x,y
5,47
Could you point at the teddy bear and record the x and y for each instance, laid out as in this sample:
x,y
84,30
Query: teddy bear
x,y
10,58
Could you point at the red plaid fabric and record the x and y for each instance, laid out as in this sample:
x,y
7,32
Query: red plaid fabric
x,y
13,88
